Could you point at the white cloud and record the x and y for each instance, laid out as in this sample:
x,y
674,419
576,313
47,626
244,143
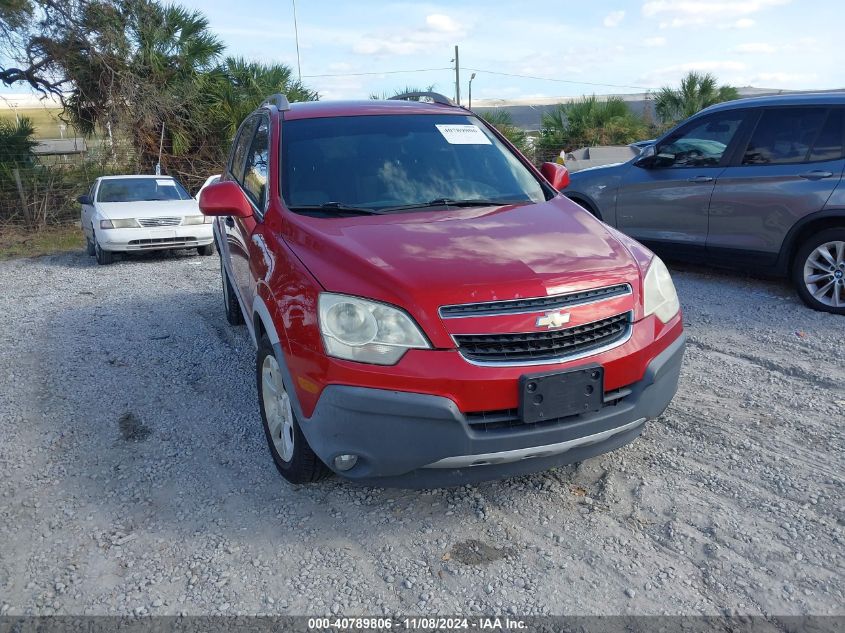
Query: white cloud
x,y
755,47
672,74
742,23
614,18
654,42
774,80
682,13
439,31
442,23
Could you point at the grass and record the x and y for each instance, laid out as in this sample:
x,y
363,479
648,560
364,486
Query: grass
x,y
18,242
45,120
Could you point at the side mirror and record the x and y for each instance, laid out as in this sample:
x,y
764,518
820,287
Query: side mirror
x,y
646,157
86,199
557,175
225,198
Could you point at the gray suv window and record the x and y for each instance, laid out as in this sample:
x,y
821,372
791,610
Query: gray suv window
x,y
784,136
702,144
828,145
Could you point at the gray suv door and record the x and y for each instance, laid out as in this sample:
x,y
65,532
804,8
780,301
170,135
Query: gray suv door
x,y
664,200
788,169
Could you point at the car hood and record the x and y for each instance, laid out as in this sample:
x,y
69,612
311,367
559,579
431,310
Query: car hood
x,y
428,259
148,209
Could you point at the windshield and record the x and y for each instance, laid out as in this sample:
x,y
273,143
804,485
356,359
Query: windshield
x,y
140,190
410,161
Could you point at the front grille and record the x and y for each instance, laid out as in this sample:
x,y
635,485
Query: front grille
x,y
161,241
537,304
544,346
505,419
156,222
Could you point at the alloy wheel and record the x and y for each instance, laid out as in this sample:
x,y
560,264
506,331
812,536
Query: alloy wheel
x,y
824,274
277,408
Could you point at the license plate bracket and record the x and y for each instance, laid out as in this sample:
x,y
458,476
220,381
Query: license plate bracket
x,y
552,395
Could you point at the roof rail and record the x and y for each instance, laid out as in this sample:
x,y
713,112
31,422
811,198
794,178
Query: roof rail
x,y
279,100
434,96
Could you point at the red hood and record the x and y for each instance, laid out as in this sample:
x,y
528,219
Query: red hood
x,y
424,260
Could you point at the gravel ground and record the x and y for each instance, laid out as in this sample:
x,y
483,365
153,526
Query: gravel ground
x,y
135,478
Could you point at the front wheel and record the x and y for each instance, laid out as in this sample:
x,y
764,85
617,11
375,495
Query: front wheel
x,y
819,271
293,457
206,250
103,257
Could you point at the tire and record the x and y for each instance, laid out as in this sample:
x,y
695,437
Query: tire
x,y
234,315
586,206
104,258
294,459
90,249
206,250
818,271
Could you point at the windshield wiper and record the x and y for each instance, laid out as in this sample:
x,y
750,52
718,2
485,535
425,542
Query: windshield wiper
x,y
454,202
337,207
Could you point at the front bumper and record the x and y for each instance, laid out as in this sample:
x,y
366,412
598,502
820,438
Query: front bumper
x,y
140,239
420,440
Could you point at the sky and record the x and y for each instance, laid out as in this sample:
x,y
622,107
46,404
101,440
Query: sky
x,y
587,47
631,45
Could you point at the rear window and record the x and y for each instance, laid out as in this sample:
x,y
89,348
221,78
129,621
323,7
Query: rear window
x,y
785,136
828,145
140,190
379,162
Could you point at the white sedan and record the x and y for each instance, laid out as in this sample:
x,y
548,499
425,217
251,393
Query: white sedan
x,y
142,213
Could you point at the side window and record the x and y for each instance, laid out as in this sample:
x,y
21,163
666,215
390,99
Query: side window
x,y
783,136
240,149
701,145
255,173
828,145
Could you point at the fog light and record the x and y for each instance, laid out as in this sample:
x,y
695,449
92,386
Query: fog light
x,y
345,462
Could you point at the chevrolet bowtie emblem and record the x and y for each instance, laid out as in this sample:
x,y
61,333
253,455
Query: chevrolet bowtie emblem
x,y
553,319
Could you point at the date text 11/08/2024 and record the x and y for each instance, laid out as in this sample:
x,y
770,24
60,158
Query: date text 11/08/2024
x,y
416,624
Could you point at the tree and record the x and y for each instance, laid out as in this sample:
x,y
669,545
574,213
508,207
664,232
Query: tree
x,y
502,121
402,91
696,92
17,139
591,121
137,68
237,87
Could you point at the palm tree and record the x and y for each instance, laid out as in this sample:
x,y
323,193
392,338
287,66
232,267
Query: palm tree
x,y
591,121
402,91
16,142
696,92
502,121
237,87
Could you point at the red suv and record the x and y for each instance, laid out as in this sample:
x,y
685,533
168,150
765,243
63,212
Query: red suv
x,y
428,309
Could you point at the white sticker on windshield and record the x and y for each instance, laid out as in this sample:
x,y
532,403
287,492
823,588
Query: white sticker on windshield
x,y
463,134
165,183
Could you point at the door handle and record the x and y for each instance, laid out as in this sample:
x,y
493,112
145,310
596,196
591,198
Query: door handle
x,y
816,174
700,179
229,222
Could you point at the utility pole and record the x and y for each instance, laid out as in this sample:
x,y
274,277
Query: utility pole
x,y
471,77
296,34
457,77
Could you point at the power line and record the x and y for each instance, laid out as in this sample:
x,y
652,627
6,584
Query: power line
x,y
383,72
565,81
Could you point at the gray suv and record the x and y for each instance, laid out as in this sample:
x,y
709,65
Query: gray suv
x,y
754,184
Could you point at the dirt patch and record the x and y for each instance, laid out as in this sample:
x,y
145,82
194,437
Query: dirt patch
x,y
132,429
475,552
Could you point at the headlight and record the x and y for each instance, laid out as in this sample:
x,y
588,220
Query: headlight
x,y
195,219
121,223
367,331
659,296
